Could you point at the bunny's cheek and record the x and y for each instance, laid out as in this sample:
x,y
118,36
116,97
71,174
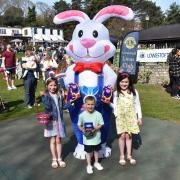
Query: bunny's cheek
x,y
106,48
71,48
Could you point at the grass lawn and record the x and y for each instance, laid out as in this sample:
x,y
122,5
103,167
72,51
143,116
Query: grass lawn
x,y
14,100
155,102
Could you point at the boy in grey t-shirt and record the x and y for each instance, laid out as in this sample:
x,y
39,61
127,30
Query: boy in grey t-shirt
x,y
90,122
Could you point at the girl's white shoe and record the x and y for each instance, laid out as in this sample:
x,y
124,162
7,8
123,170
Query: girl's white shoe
x,y
61,163
131,160
54,163
122,162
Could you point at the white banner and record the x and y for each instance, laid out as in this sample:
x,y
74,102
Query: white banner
x,y
153,55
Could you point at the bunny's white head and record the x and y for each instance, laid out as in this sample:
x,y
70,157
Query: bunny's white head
x,y
90,41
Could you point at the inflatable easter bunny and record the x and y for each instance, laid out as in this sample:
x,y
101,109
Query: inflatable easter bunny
x,y
90,47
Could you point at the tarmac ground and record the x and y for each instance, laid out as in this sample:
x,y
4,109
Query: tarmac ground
x,y
25,154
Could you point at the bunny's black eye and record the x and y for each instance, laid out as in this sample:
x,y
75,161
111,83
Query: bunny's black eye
x,y
80,33
95,33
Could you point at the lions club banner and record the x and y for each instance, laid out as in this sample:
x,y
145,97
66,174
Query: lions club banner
x,y
128,52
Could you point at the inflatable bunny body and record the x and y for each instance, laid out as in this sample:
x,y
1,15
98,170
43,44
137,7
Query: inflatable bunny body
x,y
90,47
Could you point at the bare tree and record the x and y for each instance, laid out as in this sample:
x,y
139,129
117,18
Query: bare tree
x,y
45,13
22,4
42,7
4,5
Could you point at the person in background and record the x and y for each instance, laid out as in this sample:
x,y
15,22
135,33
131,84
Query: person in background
x,y
62,51
48,65
29,75
2,69
9,59
174,72
55,57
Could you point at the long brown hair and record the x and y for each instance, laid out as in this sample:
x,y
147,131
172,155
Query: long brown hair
x,y
120,77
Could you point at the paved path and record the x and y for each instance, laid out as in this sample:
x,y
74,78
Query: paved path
x,y
24,154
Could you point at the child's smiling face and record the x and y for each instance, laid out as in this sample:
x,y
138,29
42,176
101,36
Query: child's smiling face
x,y
52,87
124,84
90,105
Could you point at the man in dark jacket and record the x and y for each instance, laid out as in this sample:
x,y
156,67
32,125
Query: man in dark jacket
x,y
174,72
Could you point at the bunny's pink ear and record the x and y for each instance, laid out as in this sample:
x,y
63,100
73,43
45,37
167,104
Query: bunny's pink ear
x,y
114,11
71,15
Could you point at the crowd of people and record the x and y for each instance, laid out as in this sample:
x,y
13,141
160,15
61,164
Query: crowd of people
x,y
31,67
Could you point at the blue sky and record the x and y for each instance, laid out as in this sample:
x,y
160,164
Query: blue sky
x,y
164,4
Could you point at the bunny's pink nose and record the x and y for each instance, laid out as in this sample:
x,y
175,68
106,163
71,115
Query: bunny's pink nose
x,y
87,43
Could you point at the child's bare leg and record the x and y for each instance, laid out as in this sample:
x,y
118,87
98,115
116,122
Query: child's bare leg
x,y
122,144
53,147
97,165
129,149
59,152
96,156
121,147
58,147
53,152
128,144
88,159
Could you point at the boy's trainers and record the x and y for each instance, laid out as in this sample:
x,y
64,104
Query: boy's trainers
x,y
98,166
89,169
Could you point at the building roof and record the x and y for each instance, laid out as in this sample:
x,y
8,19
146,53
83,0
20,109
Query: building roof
x,y
160,33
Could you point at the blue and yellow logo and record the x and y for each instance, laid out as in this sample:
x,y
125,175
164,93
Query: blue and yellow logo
x,y
130,42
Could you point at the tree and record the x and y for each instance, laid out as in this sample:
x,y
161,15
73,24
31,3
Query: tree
x,y
45,14
77,4
173,14
94,6
22,4
142,8
3,6
13,16
31,18
14,11
67,27
61,6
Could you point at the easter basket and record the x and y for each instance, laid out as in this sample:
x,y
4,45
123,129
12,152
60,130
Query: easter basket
x,y
42,118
